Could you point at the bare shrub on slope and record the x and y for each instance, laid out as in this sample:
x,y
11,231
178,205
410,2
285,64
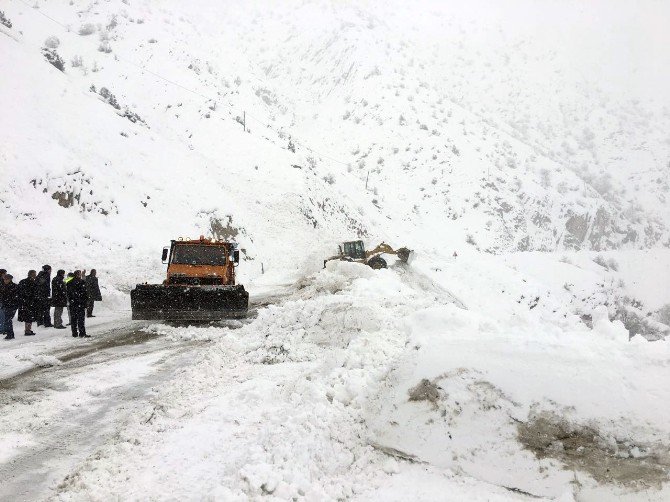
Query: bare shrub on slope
x,y
52,57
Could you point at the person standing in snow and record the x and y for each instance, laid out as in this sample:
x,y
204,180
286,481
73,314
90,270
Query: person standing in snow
x,y
9,297
58,298
93,290
29,302
70,276
44,294
2,312
77,299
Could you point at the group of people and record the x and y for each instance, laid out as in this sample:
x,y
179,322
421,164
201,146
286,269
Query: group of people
x,y
34,296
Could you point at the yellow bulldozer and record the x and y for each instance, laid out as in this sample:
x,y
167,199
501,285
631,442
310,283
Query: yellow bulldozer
x,y
355,251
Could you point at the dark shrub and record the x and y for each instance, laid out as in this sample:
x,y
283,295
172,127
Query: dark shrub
x,y
4,20
52,56
109,97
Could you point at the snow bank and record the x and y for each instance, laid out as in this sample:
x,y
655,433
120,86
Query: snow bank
x,y
317,398
461,394
602,325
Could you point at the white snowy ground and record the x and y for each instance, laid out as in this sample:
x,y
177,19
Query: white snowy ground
x,y
24,352
311,399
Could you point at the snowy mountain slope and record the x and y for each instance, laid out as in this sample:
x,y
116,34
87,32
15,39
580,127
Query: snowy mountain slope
x,y
84,185
189,168
382,92
500,81
337,73
128,148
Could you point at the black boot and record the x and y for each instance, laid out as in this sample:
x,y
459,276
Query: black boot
x,y
9,337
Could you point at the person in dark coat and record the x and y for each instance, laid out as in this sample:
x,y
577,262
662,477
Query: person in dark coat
x,y
29,305
78,299
70,276
44,293
2,312
58,298
9,297
93,290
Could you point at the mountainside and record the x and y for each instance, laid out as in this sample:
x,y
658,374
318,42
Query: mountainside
x,y
102,173
410,119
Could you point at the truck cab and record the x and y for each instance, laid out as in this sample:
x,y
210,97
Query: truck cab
x,y
202,262
199,286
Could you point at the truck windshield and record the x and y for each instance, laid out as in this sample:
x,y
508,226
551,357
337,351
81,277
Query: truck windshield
x,y
199,255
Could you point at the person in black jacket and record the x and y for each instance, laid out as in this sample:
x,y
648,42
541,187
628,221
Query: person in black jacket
x,y
68,278
28,301
77,297
93,290
2,312
58,298
44,294
9,297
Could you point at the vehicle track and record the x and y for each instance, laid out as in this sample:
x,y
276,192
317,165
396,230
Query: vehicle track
x,y
59,414
77,415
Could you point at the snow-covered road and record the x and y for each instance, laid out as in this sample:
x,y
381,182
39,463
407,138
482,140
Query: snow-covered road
x,y
55,417
62,398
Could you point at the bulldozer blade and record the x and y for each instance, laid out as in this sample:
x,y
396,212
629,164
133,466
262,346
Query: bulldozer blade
x,y
188,303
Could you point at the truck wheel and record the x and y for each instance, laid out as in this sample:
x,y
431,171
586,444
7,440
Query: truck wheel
x,y
377,263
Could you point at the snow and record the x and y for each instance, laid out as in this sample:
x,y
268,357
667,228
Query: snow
x,y
24,353
305,400
524,161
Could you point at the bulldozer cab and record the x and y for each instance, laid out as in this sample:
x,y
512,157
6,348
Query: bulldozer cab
x,y
354,250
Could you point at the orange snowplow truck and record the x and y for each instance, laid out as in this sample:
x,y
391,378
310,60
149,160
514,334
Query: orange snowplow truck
x,y
200,284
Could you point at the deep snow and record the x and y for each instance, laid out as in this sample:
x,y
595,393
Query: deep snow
x,y
529,176
312,400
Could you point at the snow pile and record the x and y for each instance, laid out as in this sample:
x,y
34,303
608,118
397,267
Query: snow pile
x,y
275,407
42,361
473,382
334,395
602,325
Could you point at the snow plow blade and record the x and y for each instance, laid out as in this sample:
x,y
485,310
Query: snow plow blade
x,y
188,303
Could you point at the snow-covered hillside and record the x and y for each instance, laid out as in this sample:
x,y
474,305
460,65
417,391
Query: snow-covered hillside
x,y
139,138
82,184
522,153
413,118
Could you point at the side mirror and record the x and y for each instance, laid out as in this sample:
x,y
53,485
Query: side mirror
x,y
165,254
236,256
